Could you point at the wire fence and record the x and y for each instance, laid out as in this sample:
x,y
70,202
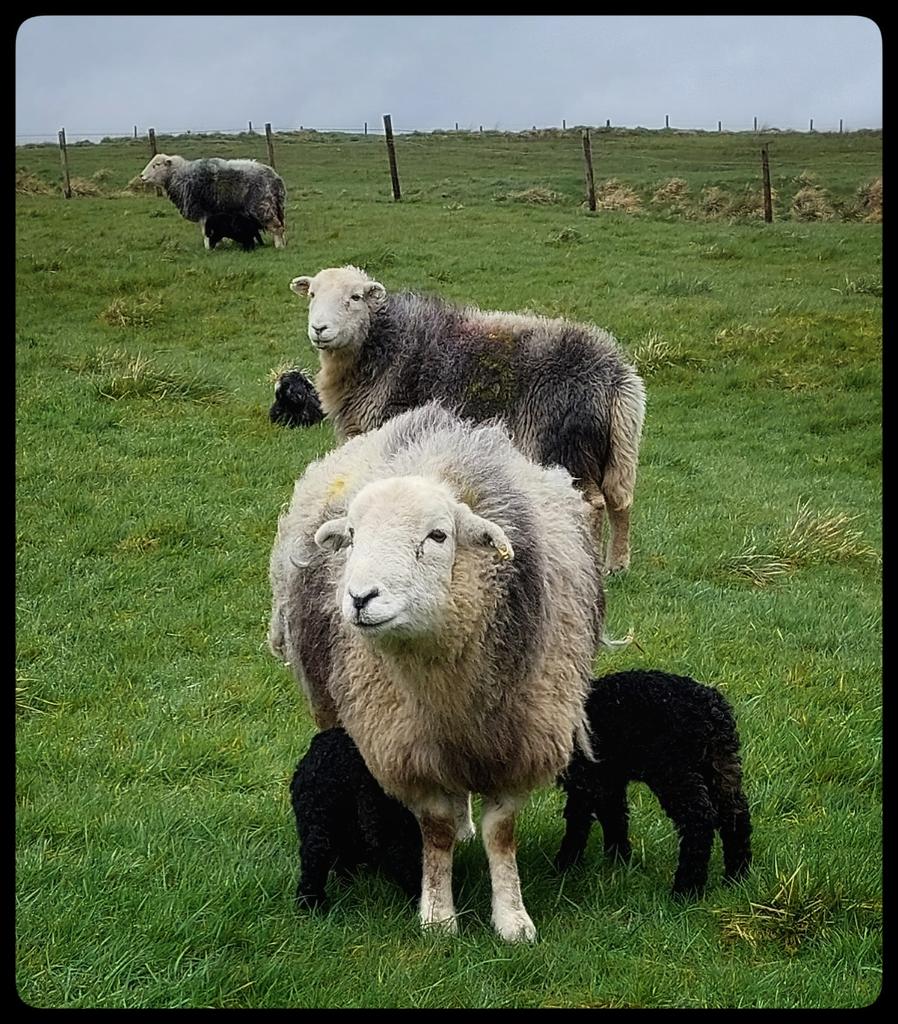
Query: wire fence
x,y
376,128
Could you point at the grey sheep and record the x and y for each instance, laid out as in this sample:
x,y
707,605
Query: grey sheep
x,y
563,389
201,188
435,593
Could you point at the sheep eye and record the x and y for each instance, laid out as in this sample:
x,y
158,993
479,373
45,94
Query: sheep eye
x,y
311,295
438,535
356,298
351,535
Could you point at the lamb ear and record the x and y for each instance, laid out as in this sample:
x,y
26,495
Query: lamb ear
x,y
375,293
300,285
333,534
474,529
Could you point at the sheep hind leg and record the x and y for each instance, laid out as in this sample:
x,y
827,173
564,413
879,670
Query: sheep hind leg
x,y
596,501
510,918
464,819
206,241
437,821
617,486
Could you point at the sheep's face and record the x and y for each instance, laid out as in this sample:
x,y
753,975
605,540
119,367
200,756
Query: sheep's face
x,y
401,536
341,301
158,169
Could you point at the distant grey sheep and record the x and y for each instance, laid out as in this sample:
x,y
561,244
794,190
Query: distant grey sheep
x,y
201,188
296,401
564,390
242,229
436,594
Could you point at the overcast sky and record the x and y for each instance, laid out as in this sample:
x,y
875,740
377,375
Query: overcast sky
x,y
104,74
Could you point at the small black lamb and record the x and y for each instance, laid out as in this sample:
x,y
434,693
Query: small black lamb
x,y
677,736
296,401
344,819
243,229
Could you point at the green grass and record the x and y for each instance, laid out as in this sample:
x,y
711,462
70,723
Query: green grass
x,y
156,853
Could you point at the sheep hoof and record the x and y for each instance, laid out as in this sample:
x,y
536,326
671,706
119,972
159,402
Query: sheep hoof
x,y
447,926
515,926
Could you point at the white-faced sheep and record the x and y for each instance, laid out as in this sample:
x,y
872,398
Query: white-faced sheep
x,y
201,188
564,390
437,595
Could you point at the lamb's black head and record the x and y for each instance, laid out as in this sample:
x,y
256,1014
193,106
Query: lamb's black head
x,y
296,402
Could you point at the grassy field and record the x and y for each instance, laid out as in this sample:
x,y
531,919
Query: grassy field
x,y
156,852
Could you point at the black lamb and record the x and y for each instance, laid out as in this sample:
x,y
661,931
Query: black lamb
x,y
296,402
344,819
679,737
240,227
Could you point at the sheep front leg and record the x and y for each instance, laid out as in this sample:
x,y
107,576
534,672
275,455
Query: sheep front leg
x,y
438,827
203,232
510,919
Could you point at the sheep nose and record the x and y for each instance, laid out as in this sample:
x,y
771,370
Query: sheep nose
x,y
360,600
318,328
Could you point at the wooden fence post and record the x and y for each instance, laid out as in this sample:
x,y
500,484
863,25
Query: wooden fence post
x,y
756,124
811,126
719,126
135,133
456,125
590,183
391,153
608,123
63,156
270,145
250,127
840,125
151,135
563,125
768,202
667,120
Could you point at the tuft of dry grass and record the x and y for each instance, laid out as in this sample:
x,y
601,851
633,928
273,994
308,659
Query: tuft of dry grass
x,y
869,197
674,192
796,911
86,188
567,236
31,185
813,538
811,203
128,312
713,201
615,195
826,536
653,352
536,196
119,374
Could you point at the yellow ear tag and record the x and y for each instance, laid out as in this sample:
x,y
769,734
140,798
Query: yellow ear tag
x,y
503,552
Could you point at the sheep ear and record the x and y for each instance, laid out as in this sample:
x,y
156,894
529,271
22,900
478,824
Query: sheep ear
x,y
474,529
333,534
375,294
300,285
300,554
